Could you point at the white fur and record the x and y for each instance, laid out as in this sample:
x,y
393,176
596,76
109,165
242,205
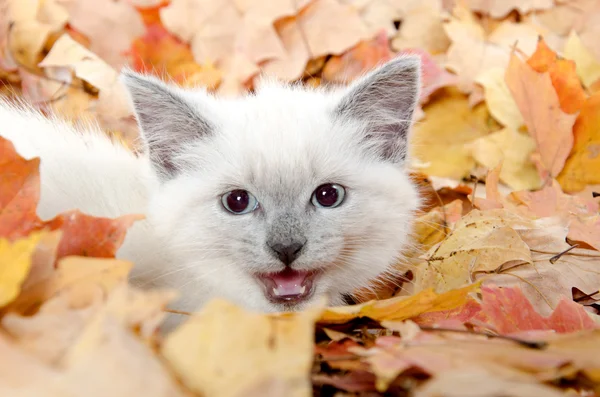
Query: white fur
x,y
279,144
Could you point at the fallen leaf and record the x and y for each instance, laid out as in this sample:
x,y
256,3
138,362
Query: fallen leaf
x,y
583,164
485,383
482,241
71,272
358,60
267,356
16,260
550,127
498,98
85,235
586,230
510,311
563,75
422,27
111,27
473,52
588,67
161,53
441,141
500,8
400,308
19,193
514,150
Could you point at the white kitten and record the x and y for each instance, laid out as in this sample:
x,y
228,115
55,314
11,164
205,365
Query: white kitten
x,y
268,200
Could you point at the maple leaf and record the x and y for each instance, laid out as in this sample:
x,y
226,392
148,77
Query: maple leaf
x,y
513,149
86,235
19,193
109,25
549,126
440,141
583,164
422,27
482,241
16,262
509,310
473,52
161,53
586,64
358,60
399,308
268,355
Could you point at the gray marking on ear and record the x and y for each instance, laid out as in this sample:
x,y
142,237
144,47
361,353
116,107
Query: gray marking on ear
x,y
168,120
385,99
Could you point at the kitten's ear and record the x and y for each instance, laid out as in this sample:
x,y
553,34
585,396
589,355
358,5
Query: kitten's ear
x,y
385,100
167,118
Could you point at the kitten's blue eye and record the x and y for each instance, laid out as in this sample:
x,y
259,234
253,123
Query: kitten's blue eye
x,y
239,202
328,195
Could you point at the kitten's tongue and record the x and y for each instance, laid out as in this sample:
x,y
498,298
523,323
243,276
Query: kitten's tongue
x,y
287,285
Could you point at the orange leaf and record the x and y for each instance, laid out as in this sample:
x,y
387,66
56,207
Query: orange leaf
x,y
358,60
547,123
563,75
159,52
19,192
85,235
583,165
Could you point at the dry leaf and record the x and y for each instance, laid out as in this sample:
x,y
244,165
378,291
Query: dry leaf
x,y
422,27
400,308
549,126
19,194
583,164
441,141
482,241
267,356
498,98
514,150
588,67
110,26
15,258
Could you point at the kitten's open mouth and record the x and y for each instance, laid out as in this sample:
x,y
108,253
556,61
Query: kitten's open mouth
x,y
288,286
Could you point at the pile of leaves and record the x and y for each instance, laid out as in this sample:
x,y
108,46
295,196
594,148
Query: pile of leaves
x,y
500,294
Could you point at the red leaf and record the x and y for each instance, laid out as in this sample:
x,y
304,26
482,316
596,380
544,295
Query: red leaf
x,y
509,310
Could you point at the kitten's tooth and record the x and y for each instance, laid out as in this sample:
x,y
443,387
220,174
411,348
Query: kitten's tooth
x,y
276,292
302,289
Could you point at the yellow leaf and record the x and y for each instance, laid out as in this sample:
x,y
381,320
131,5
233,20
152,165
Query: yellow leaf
x,y
514,149
225,351
499,100
587,66
15,263
480,242
400,308
441,140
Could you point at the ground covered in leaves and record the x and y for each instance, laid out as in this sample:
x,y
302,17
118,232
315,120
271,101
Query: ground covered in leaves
x,y
499,298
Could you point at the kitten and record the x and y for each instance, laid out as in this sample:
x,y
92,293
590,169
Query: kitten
x,y
268,200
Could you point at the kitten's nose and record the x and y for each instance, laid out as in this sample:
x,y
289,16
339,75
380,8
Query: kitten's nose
x,y
287,253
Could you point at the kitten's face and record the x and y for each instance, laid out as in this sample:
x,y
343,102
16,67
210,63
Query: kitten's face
x,y
283,201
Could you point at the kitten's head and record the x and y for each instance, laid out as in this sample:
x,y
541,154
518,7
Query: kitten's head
x,y
276,198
